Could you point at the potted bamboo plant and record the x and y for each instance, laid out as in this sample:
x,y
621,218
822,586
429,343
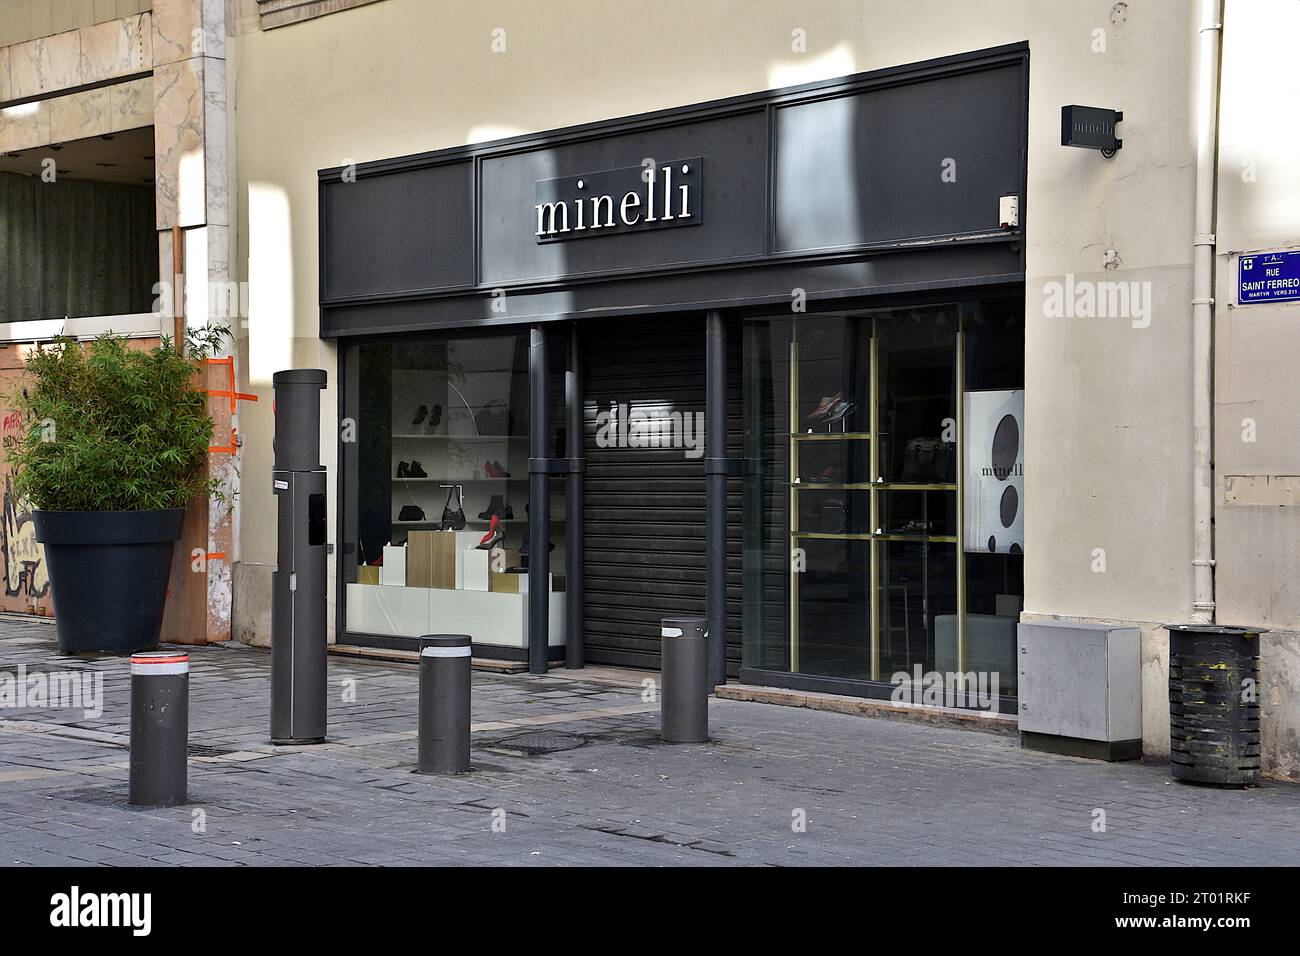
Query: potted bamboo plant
x,y
114,444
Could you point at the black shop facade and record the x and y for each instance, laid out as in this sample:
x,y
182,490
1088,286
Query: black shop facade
x,y
758,360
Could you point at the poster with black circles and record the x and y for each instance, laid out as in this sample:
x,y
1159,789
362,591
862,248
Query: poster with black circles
x,y
995,471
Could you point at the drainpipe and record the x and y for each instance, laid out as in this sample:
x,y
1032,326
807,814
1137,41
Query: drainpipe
x,y
1210,17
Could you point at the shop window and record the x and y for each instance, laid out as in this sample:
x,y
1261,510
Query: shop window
x,y
436,500
994,340
857,563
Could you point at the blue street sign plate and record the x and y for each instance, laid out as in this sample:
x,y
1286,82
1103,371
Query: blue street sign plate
x,y
1268,277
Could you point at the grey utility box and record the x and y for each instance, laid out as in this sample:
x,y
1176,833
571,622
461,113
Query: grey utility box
x,y
1080,689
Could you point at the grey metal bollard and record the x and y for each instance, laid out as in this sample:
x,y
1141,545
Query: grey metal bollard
x,y
444,703
684,697
298,585
160,728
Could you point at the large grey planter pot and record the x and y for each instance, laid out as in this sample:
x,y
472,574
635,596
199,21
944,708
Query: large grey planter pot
x,y
108,576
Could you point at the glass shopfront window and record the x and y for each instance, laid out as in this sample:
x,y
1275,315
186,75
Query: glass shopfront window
x,y
856,563
435,497
994,342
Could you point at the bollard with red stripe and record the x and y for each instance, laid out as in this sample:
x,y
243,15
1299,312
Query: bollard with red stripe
x,y
160,728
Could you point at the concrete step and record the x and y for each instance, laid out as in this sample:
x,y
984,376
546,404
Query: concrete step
x,y
413,657
864,707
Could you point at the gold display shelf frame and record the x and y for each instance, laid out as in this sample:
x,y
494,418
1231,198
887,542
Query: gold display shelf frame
x,y
874,488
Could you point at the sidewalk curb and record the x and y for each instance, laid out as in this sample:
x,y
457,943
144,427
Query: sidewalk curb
x,y
863,707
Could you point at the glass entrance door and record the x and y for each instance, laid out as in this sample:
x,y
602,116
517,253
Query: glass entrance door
x,y
916,547
830,497
872,439
856,562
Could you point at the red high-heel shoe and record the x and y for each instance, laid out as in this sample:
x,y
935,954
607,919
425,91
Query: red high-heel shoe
x,y
495,535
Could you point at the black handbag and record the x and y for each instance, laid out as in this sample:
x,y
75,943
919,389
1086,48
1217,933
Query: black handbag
x,y
493,418
926,459
453,519
411,513
834,517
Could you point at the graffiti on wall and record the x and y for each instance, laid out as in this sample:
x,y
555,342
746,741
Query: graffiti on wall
x,y
24,561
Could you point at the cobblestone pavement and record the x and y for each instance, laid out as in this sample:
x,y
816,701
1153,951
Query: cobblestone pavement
x,y
575,770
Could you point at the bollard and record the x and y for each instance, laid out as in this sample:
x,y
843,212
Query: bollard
x,y
298,584
444,703
160,728
684,700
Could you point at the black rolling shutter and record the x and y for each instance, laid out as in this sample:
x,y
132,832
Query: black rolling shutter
x,y
645,507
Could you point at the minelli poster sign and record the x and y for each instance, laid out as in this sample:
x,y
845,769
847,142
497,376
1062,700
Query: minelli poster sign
x,y
995,471
630,199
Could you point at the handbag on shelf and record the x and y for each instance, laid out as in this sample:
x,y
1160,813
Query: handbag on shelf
x,y
411,513
453,519
926,459
834,517
493,418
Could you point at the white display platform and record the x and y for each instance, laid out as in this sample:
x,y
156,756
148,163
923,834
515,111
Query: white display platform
x,y
393,571
490,617
476,565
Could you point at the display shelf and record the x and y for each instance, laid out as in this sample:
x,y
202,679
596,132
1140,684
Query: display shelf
x,y
873,485
915,486
461,481
471,520
830,436
871,536
406,436
458,481
834,535
832,486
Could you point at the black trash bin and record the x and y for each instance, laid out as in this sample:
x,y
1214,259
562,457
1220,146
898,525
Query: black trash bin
x,y
1214,704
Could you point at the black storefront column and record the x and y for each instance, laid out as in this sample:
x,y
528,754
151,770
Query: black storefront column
x,y
575,649
539,500
715,510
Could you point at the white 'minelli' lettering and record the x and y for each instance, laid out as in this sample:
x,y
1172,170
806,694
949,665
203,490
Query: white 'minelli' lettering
x,y
630,201
559,209
595,211
633,208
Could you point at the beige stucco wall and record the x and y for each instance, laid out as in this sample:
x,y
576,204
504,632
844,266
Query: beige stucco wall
x,y
1108,403
1256,384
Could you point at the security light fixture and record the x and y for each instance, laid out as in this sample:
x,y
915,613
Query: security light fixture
x,y
1091,127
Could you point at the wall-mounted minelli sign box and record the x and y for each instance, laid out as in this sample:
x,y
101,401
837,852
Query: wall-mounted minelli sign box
x,y
1268,277
1090,127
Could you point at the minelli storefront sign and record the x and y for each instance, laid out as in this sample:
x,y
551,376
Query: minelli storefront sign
x,y
632,198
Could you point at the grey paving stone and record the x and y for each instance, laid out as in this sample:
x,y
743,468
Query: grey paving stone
x,y
596,789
